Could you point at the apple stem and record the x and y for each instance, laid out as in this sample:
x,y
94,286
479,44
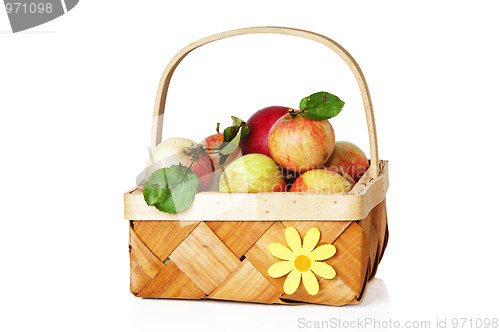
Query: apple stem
x,y
217,129
205,149
212,150
293,112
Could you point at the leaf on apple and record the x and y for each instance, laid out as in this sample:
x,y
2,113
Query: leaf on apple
x,y
237,122
232,137
171,189
321,106
245,130
231,146
230,133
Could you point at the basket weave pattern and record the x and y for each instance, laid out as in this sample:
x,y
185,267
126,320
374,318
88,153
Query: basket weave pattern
x,y
229,260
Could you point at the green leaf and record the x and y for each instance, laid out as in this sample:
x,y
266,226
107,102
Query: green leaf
x,y
231,146
245,130
171,189
156,187
232,137
237,122
321,106
230,133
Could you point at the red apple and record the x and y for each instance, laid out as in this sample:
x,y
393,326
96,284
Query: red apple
x,y
174,151
260,123
321,180
349,158
214,142
299,144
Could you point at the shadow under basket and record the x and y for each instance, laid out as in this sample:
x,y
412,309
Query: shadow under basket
x,y
219,247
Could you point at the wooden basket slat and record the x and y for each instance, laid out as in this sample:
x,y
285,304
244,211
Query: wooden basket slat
x,y
329,231
171,283
204,258
259,254
284,301
332,292
144,265
162,237
246,284
357,299
269,206
374,227
380,217
370,228
351,259
238,236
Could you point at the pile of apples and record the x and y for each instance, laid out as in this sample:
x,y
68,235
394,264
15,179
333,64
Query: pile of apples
x,y
283,152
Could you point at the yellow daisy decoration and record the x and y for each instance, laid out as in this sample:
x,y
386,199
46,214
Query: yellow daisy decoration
x,y
301,260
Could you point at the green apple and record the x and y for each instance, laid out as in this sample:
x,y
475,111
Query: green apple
x,y
252,173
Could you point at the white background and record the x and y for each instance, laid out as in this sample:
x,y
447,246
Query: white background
x,y
76,100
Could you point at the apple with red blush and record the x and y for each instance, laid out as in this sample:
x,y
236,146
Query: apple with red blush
x,y
183,151
300,144
321,180
304,139
260,123
349,158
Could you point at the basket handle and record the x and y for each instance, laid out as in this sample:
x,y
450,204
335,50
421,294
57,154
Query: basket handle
x,y
156,133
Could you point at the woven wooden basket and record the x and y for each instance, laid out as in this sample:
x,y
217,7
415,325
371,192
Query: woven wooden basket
x,y
219,247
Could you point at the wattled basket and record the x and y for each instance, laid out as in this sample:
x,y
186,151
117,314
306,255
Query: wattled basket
x,y
220,247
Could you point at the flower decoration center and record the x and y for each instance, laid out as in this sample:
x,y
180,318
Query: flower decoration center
x,y
302,263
